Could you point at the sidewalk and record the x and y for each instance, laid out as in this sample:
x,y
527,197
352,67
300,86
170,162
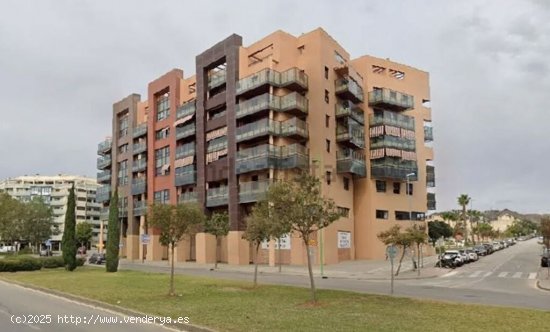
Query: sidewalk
x,y
360,270
543,281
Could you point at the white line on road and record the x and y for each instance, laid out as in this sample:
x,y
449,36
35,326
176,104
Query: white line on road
x,y
487,274
502,274
475,274
532,275
450,274
517,275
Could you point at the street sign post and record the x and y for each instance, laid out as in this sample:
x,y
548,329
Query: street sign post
x,y
391,252
145,238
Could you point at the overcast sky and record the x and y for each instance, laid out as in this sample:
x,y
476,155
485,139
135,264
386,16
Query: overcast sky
x,y
64,63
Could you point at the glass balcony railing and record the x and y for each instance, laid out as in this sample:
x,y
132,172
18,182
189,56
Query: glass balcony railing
x,y
253,191
393,100
183,179
430,176
257,129
104,146
388,141
140,130
138,148
293,103
186,109
216,144
431,201
216,196
103,194
294,127
103,162
352,136
216,79
185,150
428,134
352,162
139,186
270,156
386,168
104,176
139,165
104,213
347,88
292,79
188,197
349,109
185,131
392,119
140,208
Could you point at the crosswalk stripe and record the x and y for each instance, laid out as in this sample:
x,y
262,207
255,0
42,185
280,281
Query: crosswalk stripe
x,y
502,274
532,275
517,275
475,274
487,274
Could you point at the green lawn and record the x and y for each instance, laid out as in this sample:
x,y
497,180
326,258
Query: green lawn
x,y
236,306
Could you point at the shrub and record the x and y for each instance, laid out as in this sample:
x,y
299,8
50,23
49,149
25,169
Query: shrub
x,y
80,261
21,264
27,250
52,262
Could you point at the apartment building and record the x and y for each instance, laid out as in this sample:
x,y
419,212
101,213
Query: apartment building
x,y
54,191
251,115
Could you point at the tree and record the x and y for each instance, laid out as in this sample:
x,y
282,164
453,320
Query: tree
x,y
217,225
417,235
394,236
279,224
68,242
11,212
113,235
257,230
174,222
84,233
545,231
439,229
484,230
463,201
37,222
474,216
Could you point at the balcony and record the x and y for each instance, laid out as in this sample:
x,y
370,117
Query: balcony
x,y
188,197
351,162
187,178
388,141
293,156
431,201
140,130
216,79
185,131
103,162
294,79
138,148
391,119
428,134
257,129
430,176
103,194
104,176
270,156
352,136
253,191
185,150
139,165
292,103
216,196
389,99
348,109
186,109
393,170
140,208
347,88
104,147
294,128
104,213
258,82
139,186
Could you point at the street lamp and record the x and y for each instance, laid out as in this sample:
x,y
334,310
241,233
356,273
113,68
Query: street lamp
x,y
408,191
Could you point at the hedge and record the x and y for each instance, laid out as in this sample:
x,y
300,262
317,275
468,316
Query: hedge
x,y
15,264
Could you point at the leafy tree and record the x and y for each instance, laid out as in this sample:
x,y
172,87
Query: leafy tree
x,y
217,225
37,223
174,222
475,216
84,233
463,201
417,235
113,235
394,236
257,230
68,242
438,229
545,231
279,224
11,212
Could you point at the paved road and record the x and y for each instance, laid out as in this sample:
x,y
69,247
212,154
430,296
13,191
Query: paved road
x,y
18,304
506,278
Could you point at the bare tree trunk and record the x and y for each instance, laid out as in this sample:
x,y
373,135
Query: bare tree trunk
x,y
313,295
217,252
172,292
418,258
279,254
256,264
400,261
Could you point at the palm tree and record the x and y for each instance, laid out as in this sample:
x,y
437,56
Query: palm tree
x,y
463,201
474,216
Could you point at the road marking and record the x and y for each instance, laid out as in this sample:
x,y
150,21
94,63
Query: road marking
x,y
487,274
475,274
517,275
532,275
502,274
450,274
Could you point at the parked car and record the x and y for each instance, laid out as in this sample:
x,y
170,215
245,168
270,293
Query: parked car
x,y
481,250
472,254
497,245
97,259
5,249
465,256
489,247
453,255
545,258
45,251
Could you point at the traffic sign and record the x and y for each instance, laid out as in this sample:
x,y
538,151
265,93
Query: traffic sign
x,y
145,238
391,251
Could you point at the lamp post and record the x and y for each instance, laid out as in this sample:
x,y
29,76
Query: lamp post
x,y
407,191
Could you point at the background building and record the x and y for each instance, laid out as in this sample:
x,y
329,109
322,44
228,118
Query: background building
x,y
252,115
54,190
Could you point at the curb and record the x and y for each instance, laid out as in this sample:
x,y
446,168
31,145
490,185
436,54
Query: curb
x,y
541,287
104,305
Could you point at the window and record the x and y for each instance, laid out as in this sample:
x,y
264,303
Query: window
x,y
380,186
401,215
418,216
344,212
381,214
327,99
162,161
326,72
327,176
346,183
328,145
396,187
123,125
162,197
327,120
410,189
254,178
162,133
123,173
123,148
163,107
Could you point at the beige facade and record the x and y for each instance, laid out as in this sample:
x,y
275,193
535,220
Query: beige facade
x,y
281,104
